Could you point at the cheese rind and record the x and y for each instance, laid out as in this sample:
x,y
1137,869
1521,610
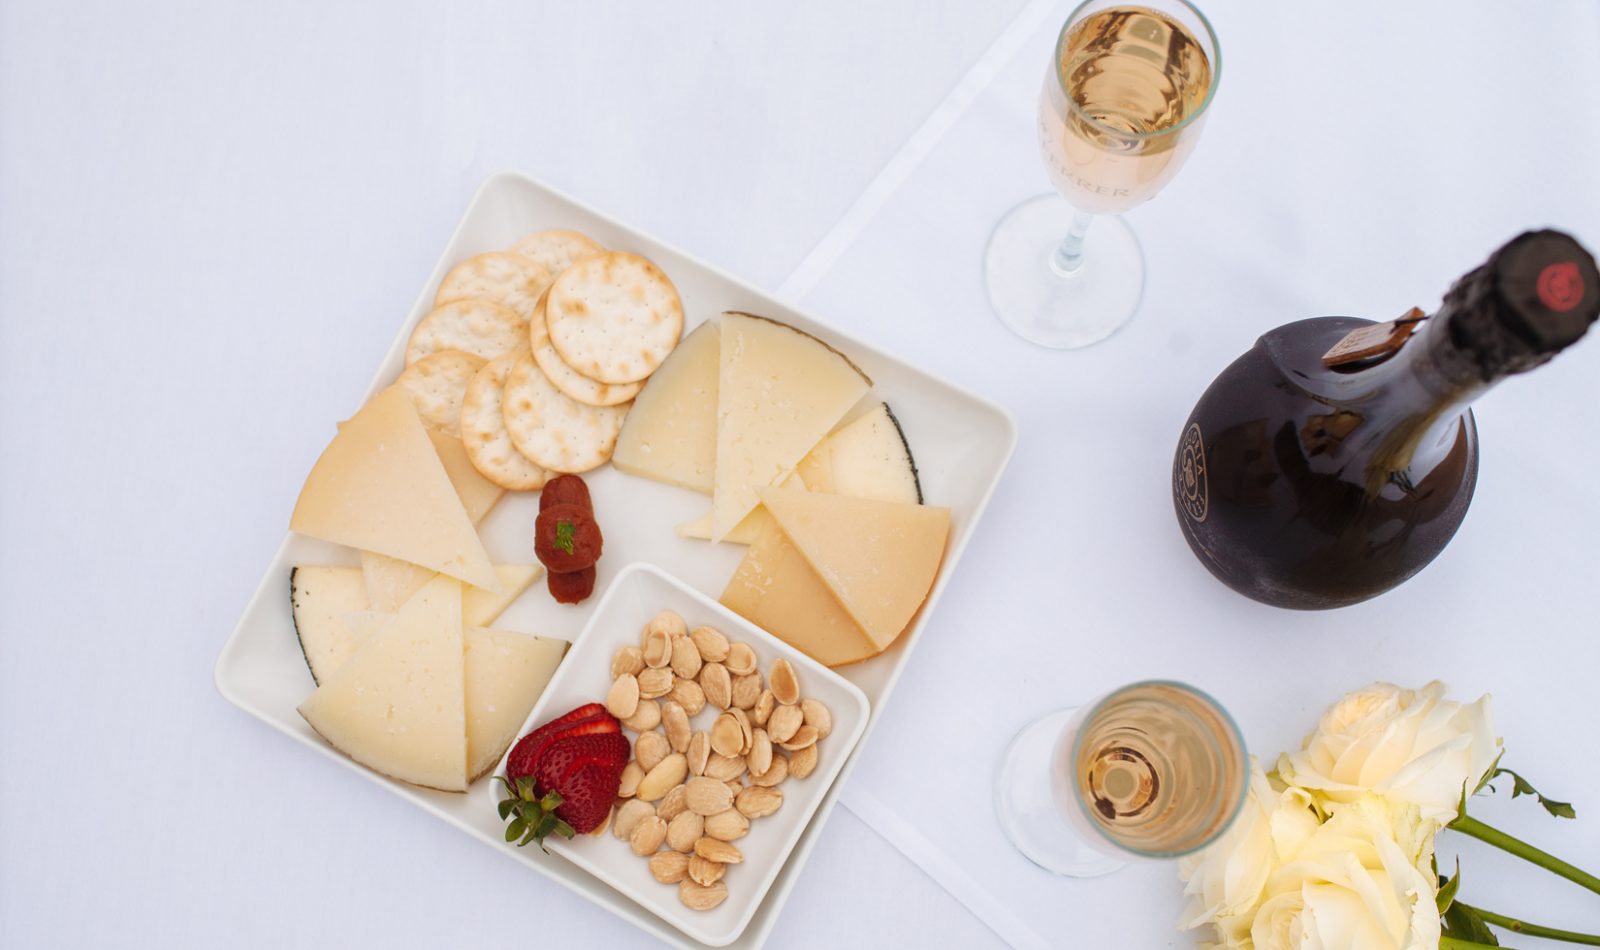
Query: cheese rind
x,y
477,493
379,486
865,458
320,596
878,558
776,589
779,392
670,434
505,673
397,705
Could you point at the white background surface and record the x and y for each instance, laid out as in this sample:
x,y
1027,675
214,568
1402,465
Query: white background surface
x,y
212,219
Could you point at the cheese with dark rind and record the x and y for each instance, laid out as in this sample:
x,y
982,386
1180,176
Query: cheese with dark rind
x,y
868,457
319,597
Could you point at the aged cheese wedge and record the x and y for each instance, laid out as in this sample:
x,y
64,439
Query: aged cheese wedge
x,y
480,607
776,589
866,458
779,392
878,558
391,583
397,706
671,432
477,493
505,673
321,597
379,486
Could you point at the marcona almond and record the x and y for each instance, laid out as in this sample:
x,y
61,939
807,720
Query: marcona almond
x,y
669,623
718,685
724,768
647,836
684,830
627,662
686,660
746,731
675,722
660,780
741,659
698,897
654,683
774,775
630,814
758,802
746,690
713,646
671,804
726,737
760,757
707,796
622,700
784,684
657,649
803,762
632,775
699,753
765,704
729,825
735,785
705,873
817,715
669,867
646,717
784,722
649,749
689,695
804,738
719,851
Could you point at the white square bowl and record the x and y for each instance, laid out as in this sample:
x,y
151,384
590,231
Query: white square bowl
x,y
639,593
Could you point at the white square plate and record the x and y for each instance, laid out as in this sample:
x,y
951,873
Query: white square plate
x,y
961,444
637,594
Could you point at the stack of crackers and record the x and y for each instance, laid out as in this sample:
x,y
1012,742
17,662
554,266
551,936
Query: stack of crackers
x,y
532,356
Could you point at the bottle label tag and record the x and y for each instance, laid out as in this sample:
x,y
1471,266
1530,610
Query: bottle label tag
x,y
1380,339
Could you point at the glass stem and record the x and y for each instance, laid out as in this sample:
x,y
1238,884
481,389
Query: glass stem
x,y
1067,260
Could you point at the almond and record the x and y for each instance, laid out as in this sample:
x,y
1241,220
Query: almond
x,y
669,772
746,731
669,623
622,700
724,768
675,722
632,775
653,684
649,749
628,661
657,651
729,825
817,715
646,717
689,695
698,897
718,685
699,753
803,762
672,804
774,775
647,836
707,796
630,814
758,802
669,867
785,722
726,737
785,686
741,659
684,830
719,851
762,711
760,756
713,646
804,737
746,690
686,660
705,873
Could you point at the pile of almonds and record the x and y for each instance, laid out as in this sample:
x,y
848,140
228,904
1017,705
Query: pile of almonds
x,y
686,789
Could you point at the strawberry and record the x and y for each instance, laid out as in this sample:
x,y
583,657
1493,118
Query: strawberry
x,y
524,758
570,788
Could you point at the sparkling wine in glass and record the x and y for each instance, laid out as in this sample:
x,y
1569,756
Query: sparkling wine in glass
x,y
1154,770
1123,103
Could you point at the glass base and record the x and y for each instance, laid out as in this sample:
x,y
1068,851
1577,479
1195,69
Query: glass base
x,y
1040,305
1027,810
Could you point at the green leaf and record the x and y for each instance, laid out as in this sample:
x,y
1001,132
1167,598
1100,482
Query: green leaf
x,y
506,806
516,829
1448,888
551,801
1520,786
526,790
1463,922
1490,772
565,531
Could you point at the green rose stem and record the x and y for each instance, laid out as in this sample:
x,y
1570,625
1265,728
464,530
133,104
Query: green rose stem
x,y
1448,942
1532,930
1473,828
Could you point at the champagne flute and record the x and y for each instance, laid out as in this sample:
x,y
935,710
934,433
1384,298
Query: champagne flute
x,y
1123,103
1153,770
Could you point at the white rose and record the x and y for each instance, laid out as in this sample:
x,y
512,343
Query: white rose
x,y
1227,880
1407,745
1362,881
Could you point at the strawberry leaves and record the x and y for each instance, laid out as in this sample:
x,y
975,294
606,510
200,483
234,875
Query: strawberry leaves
x,y
532,816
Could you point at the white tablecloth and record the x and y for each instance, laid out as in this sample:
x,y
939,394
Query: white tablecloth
x,y
213,217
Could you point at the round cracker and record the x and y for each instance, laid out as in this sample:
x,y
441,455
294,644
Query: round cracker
x,y
510,280
561,434
556,249
472,326
614,317
437,383
483,431
575,385
538,325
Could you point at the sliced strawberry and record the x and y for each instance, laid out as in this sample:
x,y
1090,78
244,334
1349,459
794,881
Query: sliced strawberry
x,y
525,754
570,790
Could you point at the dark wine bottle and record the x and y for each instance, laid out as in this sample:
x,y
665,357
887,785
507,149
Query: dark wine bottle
x,y
1337,457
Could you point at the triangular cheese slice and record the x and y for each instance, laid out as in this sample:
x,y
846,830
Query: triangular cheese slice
x,y
397,706
391,583
774,588
879,558
480,607
505,673
671,432
379,486
477,493
745,532
779,392
320,597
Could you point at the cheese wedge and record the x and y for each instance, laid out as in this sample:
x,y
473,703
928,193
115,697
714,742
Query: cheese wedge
x,y
878,558
746,531
779,392
397,706
865,458
776,589
320,598
391,583
505,673
480,607
379,486
477,493
670,434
